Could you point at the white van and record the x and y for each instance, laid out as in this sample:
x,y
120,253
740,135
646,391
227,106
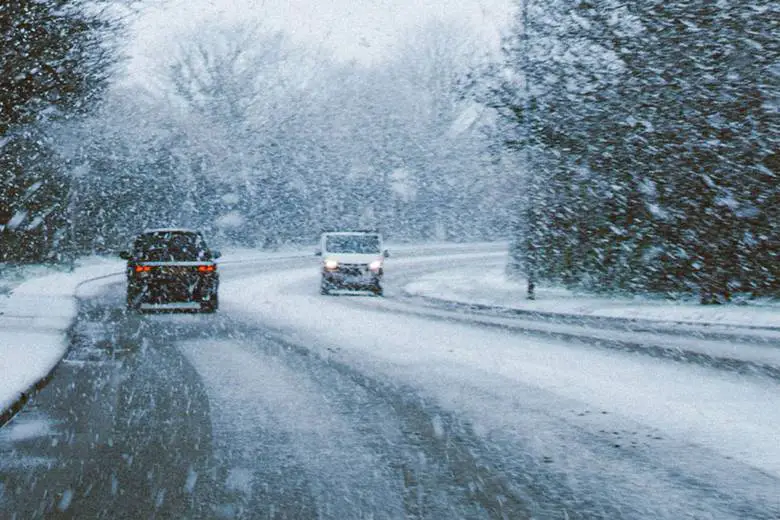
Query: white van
x,y
352,260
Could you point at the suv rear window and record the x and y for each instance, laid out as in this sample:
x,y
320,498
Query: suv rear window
x,y
170,246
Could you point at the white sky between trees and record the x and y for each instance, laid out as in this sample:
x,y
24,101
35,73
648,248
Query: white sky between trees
x,y
361,30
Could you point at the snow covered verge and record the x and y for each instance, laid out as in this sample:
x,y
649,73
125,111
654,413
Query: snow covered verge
x,y
37,305
490,287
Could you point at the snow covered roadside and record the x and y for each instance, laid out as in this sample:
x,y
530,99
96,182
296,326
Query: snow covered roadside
x,y
489,286
34,317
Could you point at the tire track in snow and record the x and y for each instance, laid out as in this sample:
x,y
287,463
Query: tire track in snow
x,y
261,410
367,449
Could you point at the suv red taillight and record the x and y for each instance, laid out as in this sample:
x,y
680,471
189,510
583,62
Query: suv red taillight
x,y
207,268
143,268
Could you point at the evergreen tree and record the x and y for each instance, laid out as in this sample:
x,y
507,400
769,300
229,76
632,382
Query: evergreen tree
x,y
651,135
53,64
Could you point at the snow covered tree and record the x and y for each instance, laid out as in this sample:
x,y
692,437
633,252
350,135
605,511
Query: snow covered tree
x,y
652,129
54,64
269,142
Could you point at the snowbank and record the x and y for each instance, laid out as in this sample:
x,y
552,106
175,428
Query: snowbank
x,y
490,287
34,318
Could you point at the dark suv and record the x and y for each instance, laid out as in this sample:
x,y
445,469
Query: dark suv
x,y
171,266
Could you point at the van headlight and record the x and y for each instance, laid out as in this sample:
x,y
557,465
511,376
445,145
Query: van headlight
x,y
376,265
331,265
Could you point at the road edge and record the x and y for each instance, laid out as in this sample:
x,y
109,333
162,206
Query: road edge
x,y
9,412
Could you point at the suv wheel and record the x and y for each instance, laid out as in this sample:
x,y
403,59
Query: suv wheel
x,y
133,299
210,305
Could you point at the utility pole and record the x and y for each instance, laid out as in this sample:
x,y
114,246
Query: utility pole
x,y
530,214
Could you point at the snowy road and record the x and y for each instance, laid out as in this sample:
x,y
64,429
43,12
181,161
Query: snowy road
x,y
289,404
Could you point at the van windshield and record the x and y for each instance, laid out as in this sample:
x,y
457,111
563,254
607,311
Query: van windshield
x,y
364,244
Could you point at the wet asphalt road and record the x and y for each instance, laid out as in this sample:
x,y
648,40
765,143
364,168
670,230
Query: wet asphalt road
x,y
121,431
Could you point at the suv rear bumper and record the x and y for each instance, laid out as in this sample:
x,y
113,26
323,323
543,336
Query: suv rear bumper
x,y
152,289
